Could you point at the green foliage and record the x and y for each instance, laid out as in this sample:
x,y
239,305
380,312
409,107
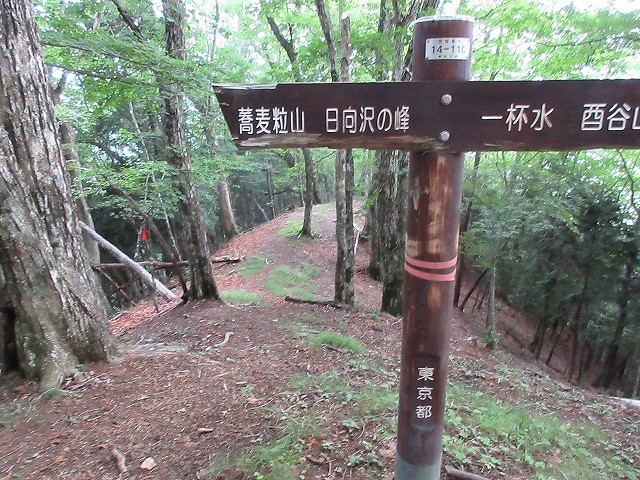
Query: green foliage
x,y
492,433
337,340
240,297
273,458
252,266
295,282
12,414
291,229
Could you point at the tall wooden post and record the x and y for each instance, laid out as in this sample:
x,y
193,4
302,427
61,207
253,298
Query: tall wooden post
x,y
441,51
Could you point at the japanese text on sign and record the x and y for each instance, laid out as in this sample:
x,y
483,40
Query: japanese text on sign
x,y
616,117
367,119
519,116
594,117
424,392
276,120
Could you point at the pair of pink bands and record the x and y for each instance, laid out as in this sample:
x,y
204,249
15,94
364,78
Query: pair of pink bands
x,y
429,270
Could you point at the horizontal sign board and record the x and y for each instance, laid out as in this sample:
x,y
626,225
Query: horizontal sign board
x,y
442,116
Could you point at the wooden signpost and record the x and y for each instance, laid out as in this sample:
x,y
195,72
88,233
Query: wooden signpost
x,y
437,116
536,116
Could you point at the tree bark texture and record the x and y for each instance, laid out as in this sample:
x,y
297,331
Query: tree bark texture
x,y
387,237
460,271
344,291
325,23
309,183
60,318
201,274
490,330
308,192
632,374
226,211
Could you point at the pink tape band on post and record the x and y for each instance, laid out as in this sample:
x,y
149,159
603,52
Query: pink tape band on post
x,y
431,265
433,277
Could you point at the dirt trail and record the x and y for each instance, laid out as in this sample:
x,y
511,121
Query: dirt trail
x,y
180,394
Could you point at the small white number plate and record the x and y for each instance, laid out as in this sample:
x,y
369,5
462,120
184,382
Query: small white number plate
x,y
448,49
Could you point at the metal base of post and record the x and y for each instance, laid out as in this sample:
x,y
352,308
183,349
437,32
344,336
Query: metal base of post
x,y
406,471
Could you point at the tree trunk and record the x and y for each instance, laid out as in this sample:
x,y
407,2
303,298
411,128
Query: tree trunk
x,y
555,344
60,319
308,192
632,373
464,227
345,262
389,192
577,319
309,184
472,289
272,197
490,332
608,374
383,193
201,273
226,212
393,246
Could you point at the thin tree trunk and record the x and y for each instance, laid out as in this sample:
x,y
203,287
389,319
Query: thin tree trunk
x,y
325,23
60,315
632,373
490,332
264,214
201,273
70,154
345,261
470,292
226,212
555,344
292,54
464,227
308,192
608,373
272,198
577,319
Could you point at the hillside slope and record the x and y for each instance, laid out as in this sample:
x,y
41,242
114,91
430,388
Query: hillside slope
x,y
261,388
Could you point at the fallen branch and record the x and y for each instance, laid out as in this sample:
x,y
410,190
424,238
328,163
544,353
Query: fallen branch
x,y
121,460
460,475
141,272
322,303
166,265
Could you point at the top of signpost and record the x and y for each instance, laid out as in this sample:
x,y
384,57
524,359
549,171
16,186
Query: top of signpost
x,y
445,18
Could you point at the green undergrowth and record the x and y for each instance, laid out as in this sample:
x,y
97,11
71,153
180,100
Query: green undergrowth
x,y
480,429
292,230
323,207
293,281
252,266
336,340
240,297
349,414
310,328
276,454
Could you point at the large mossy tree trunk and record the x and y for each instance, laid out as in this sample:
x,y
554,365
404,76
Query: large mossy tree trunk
x,y
202,283
60,319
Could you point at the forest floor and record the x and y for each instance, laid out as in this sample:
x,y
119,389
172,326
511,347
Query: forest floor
x,y
301,391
